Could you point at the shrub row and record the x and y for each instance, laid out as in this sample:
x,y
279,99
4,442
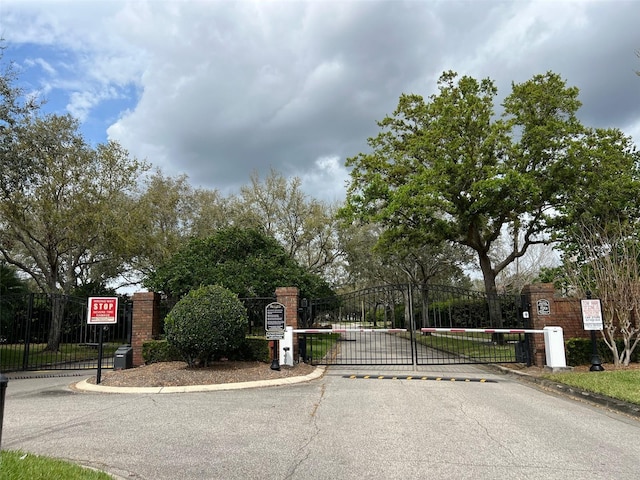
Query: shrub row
x,y
578,351
252,349
155,351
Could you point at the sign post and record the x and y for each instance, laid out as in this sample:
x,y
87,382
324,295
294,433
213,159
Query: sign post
x,y
274,328
102,311
592,321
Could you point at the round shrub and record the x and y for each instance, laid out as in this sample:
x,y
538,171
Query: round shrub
x,y
206,324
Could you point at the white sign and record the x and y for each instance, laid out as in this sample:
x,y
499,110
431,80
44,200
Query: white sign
x,y
544,307
274,322
102,311
591,314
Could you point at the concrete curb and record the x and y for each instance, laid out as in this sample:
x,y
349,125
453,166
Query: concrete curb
x,y
85,386
575,393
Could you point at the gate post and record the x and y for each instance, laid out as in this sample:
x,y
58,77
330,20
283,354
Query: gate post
x,y
541,312
145,323
288,296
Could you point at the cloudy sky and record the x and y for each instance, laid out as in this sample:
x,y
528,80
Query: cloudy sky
x,y
221,89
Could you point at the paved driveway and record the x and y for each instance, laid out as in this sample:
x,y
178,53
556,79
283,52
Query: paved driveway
x,y
332,428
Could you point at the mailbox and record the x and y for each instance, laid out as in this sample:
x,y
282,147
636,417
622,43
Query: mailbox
x,y
123,358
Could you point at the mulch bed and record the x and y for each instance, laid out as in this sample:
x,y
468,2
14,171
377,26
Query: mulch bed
x,y
170,374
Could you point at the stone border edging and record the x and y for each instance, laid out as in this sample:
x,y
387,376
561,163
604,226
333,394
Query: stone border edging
x,y
85,386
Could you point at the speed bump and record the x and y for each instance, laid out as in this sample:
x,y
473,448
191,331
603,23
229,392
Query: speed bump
x,y
414,378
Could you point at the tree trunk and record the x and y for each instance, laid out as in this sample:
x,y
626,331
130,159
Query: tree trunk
x,y
493,301
58,303
425,307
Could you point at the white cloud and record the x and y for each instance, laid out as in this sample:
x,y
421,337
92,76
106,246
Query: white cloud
x,y
221,89
327,181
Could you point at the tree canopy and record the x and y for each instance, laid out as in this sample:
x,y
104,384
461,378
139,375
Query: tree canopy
x,y
15,109
67,225
305,227
246,261
450,170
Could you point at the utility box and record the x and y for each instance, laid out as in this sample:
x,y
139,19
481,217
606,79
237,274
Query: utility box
x,y
554,347
123,358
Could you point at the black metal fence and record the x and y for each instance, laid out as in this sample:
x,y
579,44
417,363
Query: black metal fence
x,y
256,309
381,326
45,331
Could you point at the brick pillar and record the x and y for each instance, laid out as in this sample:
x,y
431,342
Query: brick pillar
x,y
288,296
542,311
145,323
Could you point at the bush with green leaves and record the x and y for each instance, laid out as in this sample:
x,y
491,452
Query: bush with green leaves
x,y
154,351
579,351
206,324
246,261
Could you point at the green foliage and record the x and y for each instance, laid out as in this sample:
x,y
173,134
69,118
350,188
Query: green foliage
x,y
318,346
207,323
246,261
304,226
449,169
167,214
253,349
21,465
10,282
472,313
618,384
12,291
155,351
78,197
578,351
15,110
12,356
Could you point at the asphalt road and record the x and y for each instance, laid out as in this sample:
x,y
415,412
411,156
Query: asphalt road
x,y
335,427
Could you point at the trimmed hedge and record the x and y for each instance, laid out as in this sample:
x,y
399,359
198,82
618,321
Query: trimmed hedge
x,y
578,351
155,351
253,349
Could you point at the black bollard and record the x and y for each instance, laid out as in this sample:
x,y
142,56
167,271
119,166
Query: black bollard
x,y
596,364
3,388
275,363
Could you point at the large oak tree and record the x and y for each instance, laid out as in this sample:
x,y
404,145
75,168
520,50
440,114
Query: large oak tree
x,y
448,169
67,224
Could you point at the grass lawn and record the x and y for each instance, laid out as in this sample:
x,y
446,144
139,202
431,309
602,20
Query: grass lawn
x,y
319,344
11,355
621,384
16,465
471,345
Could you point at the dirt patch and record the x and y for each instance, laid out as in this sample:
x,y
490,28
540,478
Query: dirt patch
x,y
173,374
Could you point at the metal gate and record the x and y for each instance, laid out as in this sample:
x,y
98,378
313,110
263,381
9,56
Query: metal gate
x,y
43,331
407,325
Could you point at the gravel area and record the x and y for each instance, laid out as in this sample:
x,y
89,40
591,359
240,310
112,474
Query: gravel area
x,y
169,374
